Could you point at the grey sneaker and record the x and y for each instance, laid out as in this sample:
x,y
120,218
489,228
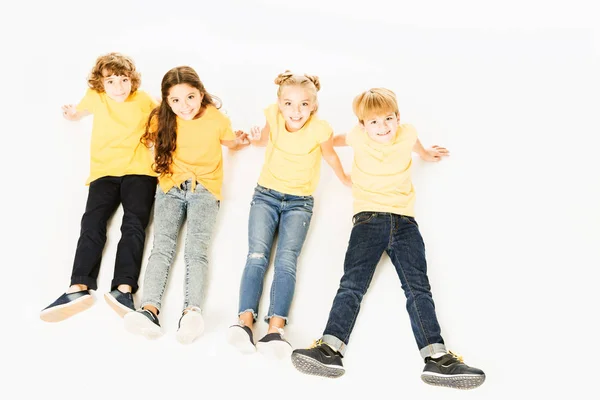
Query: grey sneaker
x,y
67,305
143,322
121,302
449,370
319,359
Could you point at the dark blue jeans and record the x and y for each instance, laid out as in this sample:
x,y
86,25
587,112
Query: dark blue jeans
x,y
136,194
290,216
399,236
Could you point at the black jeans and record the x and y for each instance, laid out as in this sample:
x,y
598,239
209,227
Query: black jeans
x,y
399,236
136,193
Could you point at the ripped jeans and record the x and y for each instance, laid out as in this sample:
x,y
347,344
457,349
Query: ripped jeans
x,y
290,215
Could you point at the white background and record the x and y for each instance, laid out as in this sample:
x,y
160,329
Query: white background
x,y
511,220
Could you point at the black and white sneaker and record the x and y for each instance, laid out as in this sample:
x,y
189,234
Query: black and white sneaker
x,y
274,346
67,305
121,302
143,322
319,359
240,337
449,370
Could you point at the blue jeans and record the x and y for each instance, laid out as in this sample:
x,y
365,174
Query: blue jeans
x,y
399,236
170,210
290,215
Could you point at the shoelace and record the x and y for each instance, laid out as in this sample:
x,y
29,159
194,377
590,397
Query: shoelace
x,y
457,356
316,343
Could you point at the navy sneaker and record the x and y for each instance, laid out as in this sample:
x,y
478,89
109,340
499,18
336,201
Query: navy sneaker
x,y
67,305
319,359
273,345
241,337
449,370
121,302
143,322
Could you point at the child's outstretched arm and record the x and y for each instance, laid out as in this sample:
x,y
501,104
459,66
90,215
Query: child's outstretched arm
x,y
259,137
340,140
240,141
333,160
70,112
434,154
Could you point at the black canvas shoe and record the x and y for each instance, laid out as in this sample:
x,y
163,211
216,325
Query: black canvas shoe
x,y
273,345
320,360
240,337
449,370
67,305
121,302
143,322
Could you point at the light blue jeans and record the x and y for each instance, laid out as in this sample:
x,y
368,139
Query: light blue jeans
x,y
271,211
170,210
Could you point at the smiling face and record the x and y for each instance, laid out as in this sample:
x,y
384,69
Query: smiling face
x,y
382,128
116,87
185,101
296,105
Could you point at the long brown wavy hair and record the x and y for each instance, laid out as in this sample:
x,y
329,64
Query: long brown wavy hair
x,y
161,129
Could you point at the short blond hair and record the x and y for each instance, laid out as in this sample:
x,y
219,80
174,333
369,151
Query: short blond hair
x,y
374,102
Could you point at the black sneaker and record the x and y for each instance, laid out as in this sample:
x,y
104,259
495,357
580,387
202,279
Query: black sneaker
x,y
449,370
121,302
143,322
240,337
67,305
320,360
274,346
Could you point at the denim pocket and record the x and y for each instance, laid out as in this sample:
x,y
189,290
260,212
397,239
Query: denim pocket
x,y
410,220
362,218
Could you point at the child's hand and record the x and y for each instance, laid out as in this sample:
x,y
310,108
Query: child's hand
x,y
347,180
242,140
70,112
435,154
255,133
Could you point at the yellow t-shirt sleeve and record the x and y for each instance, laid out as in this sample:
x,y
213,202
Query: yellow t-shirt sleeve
x,y
323,132
412,132
271,115
352,136
89,101
148,102
226,132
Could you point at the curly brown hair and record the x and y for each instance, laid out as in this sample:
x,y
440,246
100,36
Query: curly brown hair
x,y
161,129
113,64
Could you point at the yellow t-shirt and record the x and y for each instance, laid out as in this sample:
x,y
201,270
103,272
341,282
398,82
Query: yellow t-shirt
x,y
198,154
115,148
293,159
381,172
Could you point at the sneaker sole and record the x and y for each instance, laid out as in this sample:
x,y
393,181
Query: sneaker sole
x,y
64,311
138,324
115,305
191,330
311,366
275,349
239,339
464,382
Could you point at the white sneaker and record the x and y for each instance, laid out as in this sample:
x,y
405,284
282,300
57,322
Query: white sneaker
x,y
240,337
274,346
191,326
143,322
